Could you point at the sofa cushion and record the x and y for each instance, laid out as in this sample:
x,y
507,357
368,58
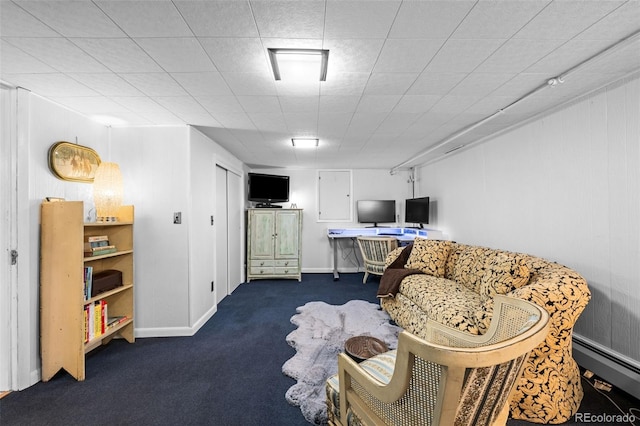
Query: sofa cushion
x,y
502,274
470,267
429,256
443,301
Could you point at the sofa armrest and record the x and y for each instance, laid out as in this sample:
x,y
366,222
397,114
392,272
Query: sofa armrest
x,y
562,292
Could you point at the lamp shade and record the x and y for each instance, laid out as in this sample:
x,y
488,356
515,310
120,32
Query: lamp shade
x,y
107,191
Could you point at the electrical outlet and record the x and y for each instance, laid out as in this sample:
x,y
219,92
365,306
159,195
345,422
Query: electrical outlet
x,y
177,218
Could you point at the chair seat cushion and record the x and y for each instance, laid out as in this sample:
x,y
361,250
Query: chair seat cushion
x,y
380,366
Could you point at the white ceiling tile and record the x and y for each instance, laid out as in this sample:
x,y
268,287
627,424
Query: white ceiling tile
x,y
498,19
181,105
107,84
142,18
300,104
395,123
617,25
203,83
237,54
359,19
620,61
389,83
454,103
350,83
154,84
140,104
429,19
339,104
118,54
260,104
16,61
220,104
352,55
52,85
333,124
480,84
463,55
289,19
75,18
301,124
177,54
377,103
516,55
406,55
247,83
15,22
520,85
567,56
235,121
269,122
552,23
60,53
218,18
91,104
293,88
416,103
430,83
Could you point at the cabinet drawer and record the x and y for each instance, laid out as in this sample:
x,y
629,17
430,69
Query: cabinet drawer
x,y
262,263
291,270
289,263
264,270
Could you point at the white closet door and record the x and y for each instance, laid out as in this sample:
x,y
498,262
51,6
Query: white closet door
x,y
222,236
235,217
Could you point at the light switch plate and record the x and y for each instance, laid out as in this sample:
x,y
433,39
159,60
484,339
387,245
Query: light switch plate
x,y
177,218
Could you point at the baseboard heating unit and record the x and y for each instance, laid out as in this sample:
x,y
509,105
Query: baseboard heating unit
x,y
617,369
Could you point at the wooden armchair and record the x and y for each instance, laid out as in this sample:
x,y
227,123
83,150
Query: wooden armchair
x,y
374,252
449,378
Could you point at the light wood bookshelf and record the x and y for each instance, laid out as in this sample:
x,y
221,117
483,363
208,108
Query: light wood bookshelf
x,y
62,301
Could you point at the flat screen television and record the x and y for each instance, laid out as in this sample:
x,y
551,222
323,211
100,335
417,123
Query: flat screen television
x,y
266,189
376,211
416,210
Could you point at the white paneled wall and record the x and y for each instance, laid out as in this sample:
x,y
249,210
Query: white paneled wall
x,y
41,124
368,184
565,187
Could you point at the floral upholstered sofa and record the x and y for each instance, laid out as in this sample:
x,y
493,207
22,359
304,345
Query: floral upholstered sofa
x,y
454,284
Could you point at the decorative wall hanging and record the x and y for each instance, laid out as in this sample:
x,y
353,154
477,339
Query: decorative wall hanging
x,y
73,162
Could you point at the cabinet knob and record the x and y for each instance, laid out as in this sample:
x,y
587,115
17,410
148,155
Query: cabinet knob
x,y
261,263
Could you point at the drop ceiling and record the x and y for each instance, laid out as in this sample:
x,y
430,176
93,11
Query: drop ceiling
x,y
403,76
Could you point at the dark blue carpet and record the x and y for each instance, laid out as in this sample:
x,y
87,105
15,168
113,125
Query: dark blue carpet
x,y
228,373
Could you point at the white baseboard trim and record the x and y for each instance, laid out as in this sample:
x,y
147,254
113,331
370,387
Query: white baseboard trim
x,y
176,331
616,369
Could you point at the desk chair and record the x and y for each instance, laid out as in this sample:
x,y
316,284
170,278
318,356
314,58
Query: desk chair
x,y
374,252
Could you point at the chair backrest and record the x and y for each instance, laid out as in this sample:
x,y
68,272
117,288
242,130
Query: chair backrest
x,y
375,249
451,377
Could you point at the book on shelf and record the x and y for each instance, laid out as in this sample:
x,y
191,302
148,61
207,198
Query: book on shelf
x,y
88,281
95,319
95,245
98,251
115,321
96,238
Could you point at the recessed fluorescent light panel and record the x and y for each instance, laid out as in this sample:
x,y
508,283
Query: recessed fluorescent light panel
x,y
304,142
299,64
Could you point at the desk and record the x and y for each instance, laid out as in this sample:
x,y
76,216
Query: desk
x,y
402,234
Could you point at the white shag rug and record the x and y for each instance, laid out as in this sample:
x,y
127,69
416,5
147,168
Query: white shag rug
x,y
320,337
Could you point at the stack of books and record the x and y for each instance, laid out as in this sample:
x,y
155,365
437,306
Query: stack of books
x,y
97,320
98,245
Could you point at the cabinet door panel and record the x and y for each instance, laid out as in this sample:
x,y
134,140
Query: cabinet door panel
x,y
286,245
262,235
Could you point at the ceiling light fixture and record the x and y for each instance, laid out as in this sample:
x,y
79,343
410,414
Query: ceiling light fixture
x,y
299,64
305,142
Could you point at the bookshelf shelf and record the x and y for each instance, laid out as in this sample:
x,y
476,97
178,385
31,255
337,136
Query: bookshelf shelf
x,y
63,321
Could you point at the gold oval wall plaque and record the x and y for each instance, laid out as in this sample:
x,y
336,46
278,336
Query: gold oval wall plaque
x,y
73,162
